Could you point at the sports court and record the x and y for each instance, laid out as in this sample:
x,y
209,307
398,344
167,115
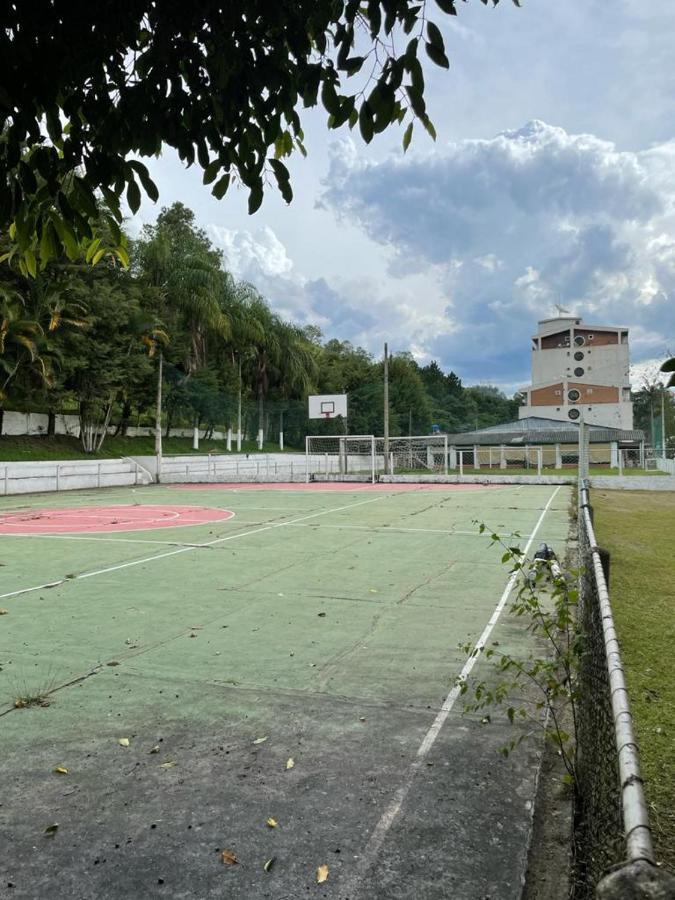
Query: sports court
x,y
223,630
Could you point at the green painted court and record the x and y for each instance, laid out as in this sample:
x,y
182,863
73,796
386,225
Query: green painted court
x,y
317,625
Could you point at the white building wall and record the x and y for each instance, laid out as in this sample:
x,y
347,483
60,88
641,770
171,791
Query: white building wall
x,y
612,415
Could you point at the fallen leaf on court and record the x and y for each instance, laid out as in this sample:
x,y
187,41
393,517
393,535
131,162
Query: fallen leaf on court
x,y
4,612
290,762
321,615
321,874
52,829
123,742
228,857
169,764
372,591
113,662
268,865
260,740
362,718
272,823
60,770
154,749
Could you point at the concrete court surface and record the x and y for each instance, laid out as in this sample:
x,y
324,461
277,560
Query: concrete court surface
x,y
320,626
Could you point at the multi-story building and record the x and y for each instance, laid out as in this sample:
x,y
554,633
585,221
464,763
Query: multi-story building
x,y
579,369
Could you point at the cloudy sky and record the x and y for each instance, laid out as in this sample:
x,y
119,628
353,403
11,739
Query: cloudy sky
x,y
552,181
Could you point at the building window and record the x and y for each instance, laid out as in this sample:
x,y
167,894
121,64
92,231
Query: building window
x,y
578,371
573,414
578,356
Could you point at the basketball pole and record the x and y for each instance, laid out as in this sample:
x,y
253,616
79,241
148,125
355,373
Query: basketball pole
x,y
386,409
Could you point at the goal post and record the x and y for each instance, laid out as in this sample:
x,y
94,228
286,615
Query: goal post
x,y
327,457
417,453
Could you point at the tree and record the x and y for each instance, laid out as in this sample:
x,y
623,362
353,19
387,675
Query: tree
x,y
218,82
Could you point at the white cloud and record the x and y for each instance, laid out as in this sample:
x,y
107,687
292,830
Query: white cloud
x,y
509,226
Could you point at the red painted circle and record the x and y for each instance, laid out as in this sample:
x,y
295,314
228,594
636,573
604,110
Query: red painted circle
x,y
97,519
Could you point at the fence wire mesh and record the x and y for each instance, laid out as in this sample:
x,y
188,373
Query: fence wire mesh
x,y
612,817
600,835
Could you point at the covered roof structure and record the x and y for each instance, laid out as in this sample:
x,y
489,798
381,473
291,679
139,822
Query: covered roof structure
x,y
536,430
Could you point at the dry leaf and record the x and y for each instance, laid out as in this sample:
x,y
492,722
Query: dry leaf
x,y
52,829
228,857
60,770
290,762
123,742
169,764
154,749
260,740
372,591
270,862
271,822
321,874
3,611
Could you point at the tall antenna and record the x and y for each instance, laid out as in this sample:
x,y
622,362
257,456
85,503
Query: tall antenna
x,y
561,309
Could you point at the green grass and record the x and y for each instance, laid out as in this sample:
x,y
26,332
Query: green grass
x,y
32,448
639,531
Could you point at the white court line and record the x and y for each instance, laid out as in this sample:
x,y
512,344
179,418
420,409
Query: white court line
x,y
78,537
231,537
388,817
384,529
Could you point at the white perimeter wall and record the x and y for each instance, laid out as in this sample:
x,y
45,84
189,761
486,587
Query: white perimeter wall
x,y
34,477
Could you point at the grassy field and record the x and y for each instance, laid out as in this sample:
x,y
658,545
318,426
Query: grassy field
x,y
30,448
639,531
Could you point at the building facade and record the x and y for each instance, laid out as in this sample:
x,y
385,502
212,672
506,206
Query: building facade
x,y
580,370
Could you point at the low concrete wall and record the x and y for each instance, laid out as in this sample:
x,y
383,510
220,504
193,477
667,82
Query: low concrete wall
x,y
633,482
38,477
253,467
477,479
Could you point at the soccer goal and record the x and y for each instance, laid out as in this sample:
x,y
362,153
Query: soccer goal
x,y
331,456
419,453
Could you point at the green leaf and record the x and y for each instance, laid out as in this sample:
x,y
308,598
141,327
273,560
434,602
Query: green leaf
x,y
98,256
92,248
448,6
133,196
366,122
149,185
437,56
435,36
255,198
220,187
123,256
429,127
407,137
211,171
416,101
283,179
31,262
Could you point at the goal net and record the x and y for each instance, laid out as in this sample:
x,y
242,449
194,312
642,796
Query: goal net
x,y
331,456
420,453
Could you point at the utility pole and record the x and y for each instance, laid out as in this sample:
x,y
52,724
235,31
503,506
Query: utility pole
x,y
239,411
158,416
386,410
663,421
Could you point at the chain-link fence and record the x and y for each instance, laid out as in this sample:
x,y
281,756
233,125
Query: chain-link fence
x,y
613,832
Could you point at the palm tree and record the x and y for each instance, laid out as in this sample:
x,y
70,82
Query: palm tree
x,y
20,339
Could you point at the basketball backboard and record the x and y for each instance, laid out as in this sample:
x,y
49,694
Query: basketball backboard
x,y
327,406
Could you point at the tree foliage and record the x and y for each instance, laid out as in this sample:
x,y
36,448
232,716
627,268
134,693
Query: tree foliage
x,y
88,339
87,91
